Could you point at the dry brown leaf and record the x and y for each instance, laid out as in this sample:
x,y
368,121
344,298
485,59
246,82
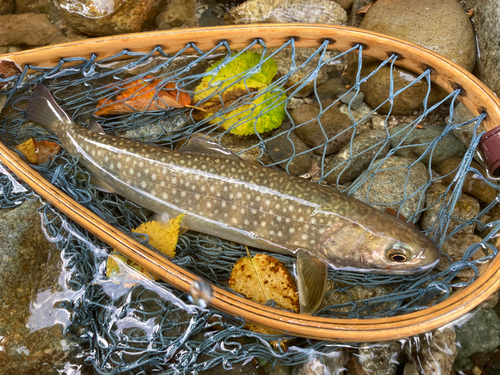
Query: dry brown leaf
x,y
38,152
8,69
365,9
142,95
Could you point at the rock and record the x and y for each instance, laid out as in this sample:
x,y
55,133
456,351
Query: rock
x,y
32,6
323,364
17,29
355,17
493,366
491,301
417,143
355,99
236,369
29,263
466,208
436,352
150,132
474,184
311,11
486,15
346,4
212,16
346,170
443,28
455,247
379,359
335,125
277,370
361,115
331,89
410,369
287,145
464,133
481,333
7,6
91,18
395,181
175,13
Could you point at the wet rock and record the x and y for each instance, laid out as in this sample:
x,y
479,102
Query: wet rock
x,y
17,29
32,6
436,353
444,28
486,15
7,6
379,359
212,16
415,142
361,116
29,263
493,366
491,301
466,208
346,4
331,89
481,333
474,184
277,370
312,11
175,13
323,364
157,129
355,17
464,133
353,98
395,181
362,151
455,247
286,145
334,124
91,17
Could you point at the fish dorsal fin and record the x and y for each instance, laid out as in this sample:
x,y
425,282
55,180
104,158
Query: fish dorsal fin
x,y
94,127
311,280
200,146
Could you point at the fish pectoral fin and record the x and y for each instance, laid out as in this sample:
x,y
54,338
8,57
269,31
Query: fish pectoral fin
x,y
311,275
100,184
200,146
94,127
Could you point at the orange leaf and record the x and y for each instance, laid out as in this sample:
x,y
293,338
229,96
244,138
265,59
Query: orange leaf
x,y
143,95
38,152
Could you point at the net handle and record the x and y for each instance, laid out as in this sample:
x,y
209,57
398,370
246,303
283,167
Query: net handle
x,y
475,95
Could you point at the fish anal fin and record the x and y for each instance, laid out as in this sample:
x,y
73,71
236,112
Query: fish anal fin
x,y
311,280
100,184
200,146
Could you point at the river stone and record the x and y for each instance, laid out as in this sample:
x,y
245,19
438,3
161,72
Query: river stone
x,y
481,333
32,6
466,208
29,264
17,29
394,182
150,132
486,16
323,364
416,142
352,294
336,125
455,247
347,171
91,17
379,359
7,6
464,133
355,99
474,184
286,145
175,13
331,89
442,26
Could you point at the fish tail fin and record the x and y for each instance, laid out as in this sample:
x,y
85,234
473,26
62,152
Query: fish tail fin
x,y
44,110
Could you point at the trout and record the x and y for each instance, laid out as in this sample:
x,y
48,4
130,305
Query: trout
x,y
225,196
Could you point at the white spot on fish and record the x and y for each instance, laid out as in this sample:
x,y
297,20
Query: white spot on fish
x,y
153,177
291,230
164,195
143,184
234,220
106,158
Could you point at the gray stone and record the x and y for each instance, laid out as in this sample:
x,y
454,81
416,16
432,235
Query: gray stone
x,y
336,125
355,99
395,181
32,6
331,89
17,29
361,156
7,6
464,133
287,145
323,364
455,247
175,13
418,140
150,132
379,359
481,333
29,263
346,4
486,16
91,18
466,208
355,18
362,115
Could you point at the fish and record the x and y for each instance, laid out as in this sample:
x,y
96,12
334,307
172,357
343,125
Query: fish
x,y
222,195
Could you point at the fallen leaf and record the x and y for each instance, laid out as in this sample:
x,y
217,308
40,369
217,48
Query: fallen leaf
x,y
8,69
364,9
143,95
38,152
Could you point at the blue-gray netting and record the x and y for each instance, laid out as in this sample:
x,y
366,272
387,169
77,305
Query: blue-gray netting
x,y
185,337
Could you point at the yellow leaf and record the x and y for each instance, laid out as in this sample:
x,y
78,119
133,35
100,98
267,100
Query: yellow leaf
x,y
112,267
38,152
28,149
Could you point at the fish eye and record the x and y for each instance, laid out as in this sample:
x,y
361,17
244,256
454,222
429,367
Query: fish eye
x,y
398,253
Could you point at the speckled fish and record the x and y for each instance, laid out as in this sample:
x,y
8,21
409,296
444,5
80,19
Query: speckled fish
x,y
225,196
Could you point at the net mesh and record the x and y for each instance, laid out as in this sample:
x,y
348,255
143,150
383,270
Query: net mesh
x,y
152,326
